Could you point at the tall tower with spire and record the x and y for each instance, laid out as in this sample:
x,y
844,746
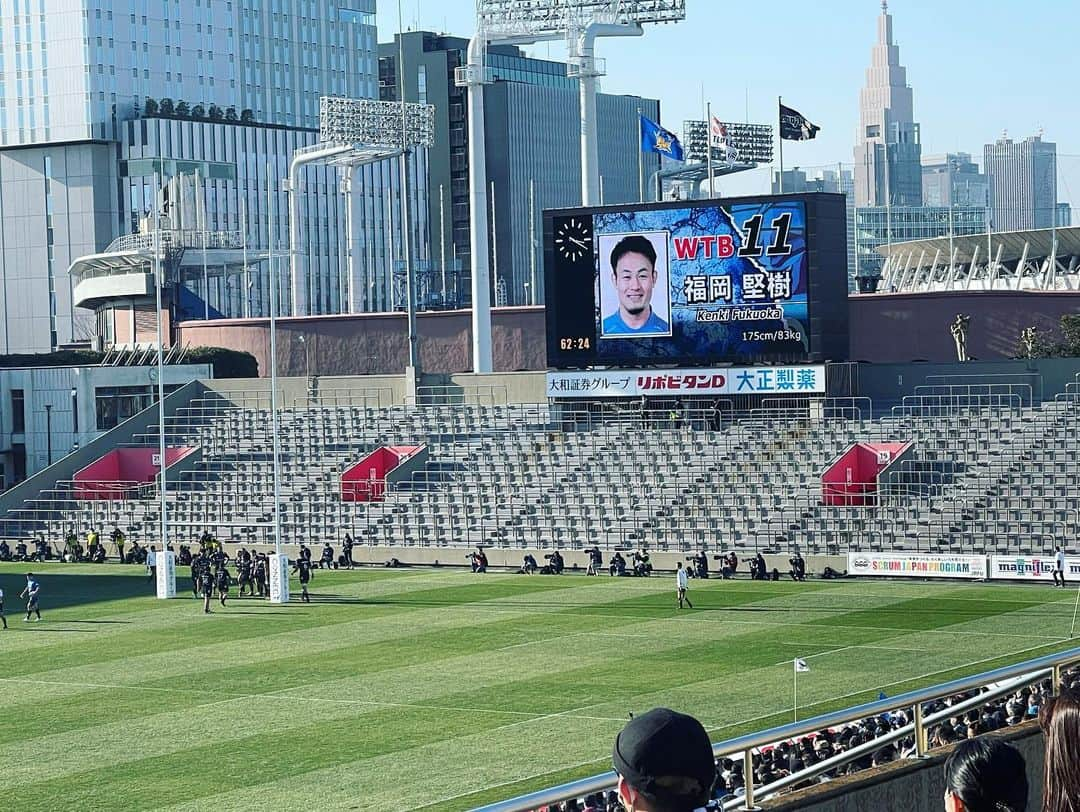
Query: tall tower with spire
x,y
887,148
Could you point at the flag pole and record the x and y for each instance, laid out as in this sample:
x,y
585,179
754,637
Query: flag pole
x,y
780,121
640,160
795,689
1072,629
708,143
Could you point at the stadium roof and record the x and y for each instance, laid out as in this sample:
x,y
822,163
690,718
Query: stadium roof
x,y
1039,244
1007,260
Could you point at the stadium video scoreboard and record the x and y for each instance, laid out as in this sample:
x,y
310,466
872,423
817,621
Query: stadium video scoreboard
x,y
698,283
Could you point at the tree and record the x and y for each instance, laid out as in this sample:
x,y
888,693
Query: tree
x,y
165,107
1070,329
246,116
198,111
214,113
150,107
230,114
182,109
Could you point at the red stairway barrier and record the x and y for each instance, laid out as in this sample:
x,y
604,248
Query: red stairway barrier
x,y
366,481
852,479
118,474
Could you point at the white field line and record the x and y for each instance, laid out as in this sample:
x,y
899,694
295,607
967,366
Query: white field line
x,y
845,648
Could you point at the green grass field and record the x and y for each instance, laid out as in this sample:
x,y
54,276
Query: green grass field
x,y
441,690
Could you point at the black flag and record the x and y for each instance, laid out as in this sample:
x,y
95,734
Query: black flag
x,y
795,127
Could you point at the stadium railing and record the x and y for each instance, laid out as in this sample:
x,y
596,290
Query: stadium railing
x,y
1013,676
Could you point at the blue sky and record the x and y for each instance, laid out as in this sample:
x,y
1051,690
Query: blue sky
x,y
977,69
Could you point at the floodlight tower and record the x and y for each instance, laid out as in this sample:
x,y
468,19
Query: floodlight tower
x,y
523,22
497,22
604,18
353,133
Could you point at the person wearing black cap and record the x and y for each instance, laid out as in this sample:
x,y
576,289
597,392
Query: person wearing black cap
x,y
665,763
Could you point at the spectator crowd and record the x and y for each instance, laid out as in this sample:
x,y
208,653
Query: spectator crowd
x,y
965,773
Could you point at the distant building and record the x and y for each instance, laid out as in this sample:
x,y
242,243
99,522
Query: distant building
x,y
887,145
953,179
880,226
825,180
533,126
1023,183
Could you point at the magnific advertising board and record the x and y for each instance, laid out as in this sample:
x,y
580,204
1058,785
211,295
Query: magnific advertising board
x,y
699,282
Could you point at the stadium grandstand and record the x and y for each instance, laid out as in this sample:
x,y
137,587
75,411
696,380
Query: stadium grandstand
x,y
1038,260
989,469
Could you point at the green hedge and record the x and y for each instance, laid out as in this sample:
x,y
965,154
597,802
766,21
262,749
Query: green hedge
x,y
225,362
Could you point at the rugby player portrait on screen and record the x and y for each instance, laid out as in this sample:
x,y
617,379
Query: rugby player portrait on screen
x,y
637,279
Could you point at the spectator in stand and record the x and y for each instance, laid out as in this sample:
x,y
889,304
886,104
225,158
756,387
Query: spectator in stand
x,y
1060,721
985,775
665,763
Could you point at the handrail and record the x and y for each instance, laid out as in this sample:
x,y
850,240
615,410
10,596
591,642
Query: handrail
x,y
745,745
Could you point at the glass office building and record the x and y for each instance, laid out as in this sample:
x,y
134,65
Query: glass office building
x,y
243,79
880,225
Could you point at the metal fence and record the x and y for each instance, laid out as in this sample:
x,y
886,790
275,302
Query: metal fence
x,y
1013,676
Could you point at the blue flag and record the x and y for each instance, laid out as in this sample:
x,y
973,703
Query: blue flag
x,y
655,138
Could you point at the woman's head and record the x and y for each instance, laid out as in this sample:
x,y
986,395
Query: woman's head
x,y
985,775
1060,720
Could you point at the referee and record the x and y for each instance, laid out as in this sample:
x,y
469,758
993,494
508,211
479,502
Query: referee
x,y
682,583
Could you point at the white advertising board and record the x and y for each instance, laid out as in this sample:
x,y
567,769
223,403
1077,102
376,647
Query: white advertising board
x,y
917,565
1031,568
622,383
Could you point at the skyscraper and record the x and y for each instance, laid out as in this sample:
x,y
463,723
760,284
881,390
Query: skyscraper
x,y
887,147
1023,182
